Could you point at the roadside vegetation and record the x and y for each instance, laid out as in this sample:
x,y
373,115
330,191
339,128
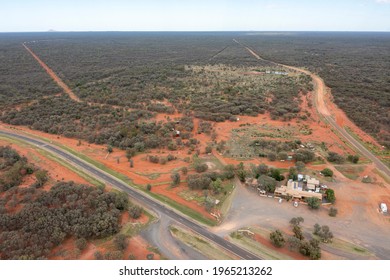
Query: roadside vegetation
x,y
67,210
200,244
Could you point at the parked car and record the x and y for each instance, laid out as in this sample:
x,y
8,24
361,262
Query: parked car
x,y
383,208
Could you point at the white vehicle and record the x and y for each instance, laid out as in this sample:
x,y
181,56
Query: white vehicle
x,y
295,204
383,208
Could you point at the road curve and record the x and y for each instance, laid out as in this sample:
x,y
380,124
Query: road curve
x,y
323,110
137,195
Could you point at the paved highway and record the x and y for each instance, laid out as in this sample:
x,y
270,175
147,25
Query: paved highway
x,y
137,195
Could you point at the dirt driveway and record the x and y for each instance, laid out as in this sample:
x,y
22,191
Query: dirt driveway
x,y
361,224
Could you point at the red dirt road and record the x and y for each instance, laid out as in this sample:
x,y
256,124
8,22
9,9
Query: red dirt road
x,y
54,76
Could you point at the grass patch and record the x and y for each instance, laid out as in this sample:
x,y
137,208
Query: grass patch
x,y
212,159
210,250
350,171
383,176
132,229
349,247
257,248
226,200
183,209
151,176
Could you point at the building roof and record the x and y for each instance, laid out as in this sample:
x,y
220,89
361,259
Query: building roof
x,y
293,189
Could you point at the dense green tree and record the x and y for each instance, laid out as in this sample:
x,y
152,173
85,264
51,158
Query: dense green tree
x,y
297,230
267,183
135,211
296,221
330,195
327,172
313,203
175,179
277,238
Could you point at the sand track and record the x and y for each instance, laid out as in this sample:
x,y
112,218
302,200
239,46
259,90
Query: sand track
x,y
54,76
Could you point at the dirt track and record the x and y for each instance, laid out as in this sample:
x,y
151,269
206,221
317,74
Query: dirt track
x,y
53,75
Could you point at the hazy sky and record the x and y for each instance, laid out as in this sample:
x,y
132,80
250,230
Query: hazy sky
x,y
194,15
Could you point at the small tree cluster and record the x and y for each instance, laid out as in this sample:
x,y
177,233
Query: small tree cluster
x,y
330,195
277,238
333,212
313,203
296,221
120,242
135,211
175,179
323,232
335,157
353,158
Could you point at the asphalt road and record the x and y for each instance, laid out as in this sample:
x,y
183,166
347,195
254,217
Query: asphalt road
x,y
137,195
359,147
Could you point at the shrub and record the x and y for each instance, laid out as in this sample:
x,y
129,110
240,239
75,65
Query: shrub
x,y
304,155
323,232
154,159
171,157
353,158
175,179
297,230
98,255
271,156
198,182
300,166
262,169
293,243
311,249
184,170
275,173
41,176
149,187
120,242
267,183
172,146
135,211
81,243
201,167
335,157
333,212
282,155
330,196
313,203
228,172
296,221
327,172
277,238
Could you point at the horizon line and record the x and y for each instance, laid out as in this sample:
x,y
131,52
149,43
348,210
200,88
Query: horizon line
x,y
195,31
